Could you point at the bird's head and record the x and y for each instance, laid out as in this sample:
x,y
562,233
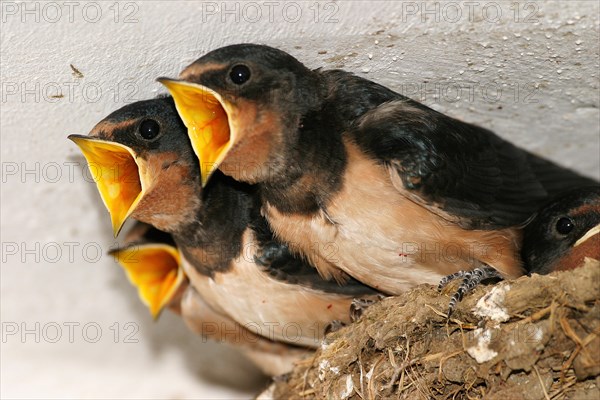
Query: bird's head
x,y
243,104
143,165
563,232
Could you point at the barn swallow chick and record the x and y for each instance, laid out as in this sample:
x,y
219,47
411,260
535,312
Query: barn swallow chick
x,y
148,170
558,237
564,232
405,194
152,265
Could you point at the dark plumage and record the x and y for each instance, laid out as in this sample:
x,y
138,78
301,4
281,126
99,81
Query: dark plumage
x,y
552,240
229,253
402,193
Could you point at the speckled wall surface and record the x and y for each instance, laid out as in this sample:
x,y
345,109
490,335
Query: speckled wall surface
x,y
529,71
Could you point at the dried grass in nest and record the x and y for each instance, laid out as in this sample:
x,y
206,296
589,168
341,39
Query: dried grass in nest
x,y
533,338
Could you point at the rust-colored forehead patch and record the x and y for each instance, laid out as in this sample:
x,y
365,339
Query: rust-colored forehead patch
x,y
192,72
106,129
589,208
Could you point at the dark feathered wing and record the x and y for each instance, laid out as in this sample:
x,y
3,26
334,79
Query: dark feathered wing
x,y
464,172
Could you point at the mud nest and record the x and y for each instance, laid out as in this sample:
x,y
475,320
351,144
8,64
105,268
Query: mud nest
x,y
533,338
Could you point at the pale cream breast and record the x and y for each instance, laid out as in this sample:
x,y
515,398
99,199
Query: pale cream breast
x,y
376,234
273,358
269,307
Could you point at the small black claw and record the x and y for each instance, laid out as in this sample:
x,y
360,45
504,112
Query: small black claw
x,y
471,279
359,306
334,326
270,252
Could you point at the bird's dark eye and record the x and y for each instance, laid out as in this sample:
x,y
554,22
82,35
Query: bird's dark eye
x,y
239,74
564,226
149,129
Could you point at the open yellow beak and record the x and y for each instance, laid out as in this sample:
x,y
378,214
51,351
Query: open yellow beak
x,y
120,176
155,270
204,112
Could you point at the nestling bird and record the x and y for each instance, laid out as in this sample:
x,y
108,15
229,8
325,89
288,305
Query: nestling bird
x,y
145,168
153,265
564,232
403,194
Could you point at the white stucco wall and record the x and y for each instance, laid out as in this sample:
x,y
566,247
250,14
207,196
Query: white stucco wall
x,y
533,78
